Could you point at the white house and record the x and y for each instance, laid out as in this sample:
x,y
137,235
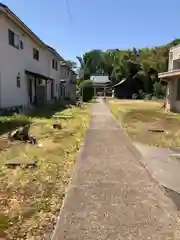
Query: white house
x,y
30,71
172,78
68,76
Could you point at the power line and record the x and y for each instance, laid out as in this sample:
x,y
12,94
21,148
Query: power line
x,y
68,10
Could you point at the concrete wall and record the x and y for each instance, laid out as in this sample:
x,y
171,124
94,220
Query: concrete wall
x,y
54,74
175,104
174,57
175,52
172,103
65,76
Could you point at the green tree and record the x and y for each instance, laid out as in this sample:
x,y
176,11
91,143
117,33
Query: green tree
x,y
72,65
138,67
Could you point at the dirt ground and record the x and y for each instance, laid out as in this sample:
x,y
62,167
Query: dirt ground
x,y
30,198
147,122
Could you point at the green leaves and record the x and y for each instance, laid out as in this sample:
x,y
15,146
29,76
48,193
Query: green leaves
x,y
139,66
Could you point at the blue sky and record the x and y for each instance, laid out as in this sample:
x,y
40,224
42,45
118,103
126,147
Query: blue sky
x,y
100,24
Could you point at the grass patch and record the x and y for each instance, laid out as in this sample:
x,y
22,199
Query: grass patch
x,y
30,199
137,117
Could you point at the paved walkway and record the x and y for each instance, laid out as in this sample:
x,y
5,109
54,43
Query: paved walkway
x,y
165,164
112,196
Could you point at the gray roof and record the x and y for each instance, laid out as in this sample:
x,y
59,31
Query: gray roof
x,y
99,79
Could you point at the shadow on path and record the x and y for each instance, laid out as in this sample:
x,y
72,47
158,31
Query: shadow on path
x,y
175,196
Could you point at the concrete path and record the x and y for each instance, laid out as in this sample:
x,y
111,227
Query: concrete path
x,y
112,195
164,163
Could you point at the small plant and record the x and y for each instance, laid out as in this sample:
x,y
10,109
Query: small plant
x,y
134,96
141,94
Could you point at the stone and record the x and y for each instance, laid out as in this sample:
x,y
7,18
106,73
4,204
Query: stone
x,y
40,145
62,116
155,130
21,133
21,162
32,140
57,125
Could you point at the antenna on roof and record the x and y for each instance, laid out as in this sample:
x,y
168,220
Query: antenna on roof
x,y
68,10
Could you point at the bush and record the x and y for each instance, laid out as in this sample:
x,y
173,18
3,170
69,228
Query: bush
x,y
159,90
141,94
134,96
154,98
88,90
148,96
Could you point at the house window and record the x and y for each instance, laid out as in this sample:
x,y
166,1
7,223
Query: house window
x,y
13,39
178,90
35,54
54,64
18,83
21,45
39,81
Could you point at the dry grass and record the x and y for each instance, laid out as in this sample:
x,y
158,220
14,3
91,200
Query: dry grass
x,y
30,199
137,117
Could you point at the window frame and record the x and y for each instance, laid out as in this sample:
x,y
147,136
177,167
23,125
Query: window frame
x,y
13,39
36,54
55,64
18,81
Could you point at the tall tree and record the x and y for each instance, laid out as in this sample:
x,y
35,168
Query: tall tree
x,y
138,67
72,65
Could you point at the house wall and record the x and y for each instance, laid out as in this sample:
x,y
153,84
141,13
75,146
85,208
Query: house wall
x,y
11,62
65,75
15,61
54,74
175,104
172,104
72,92
174,57
175,52
1,58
